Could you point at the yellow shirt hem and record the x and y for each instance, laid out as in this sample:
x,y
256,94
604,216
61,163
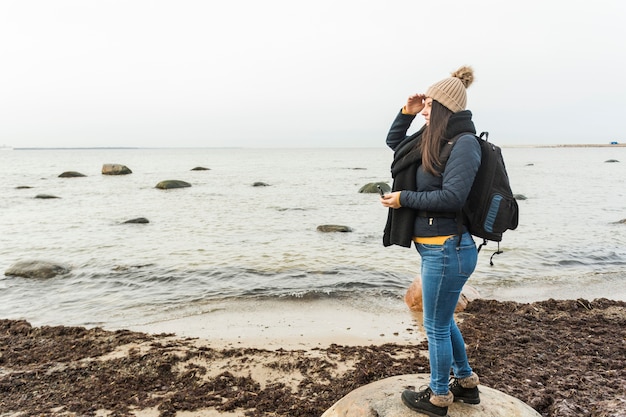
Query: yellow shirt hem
x,y
432,240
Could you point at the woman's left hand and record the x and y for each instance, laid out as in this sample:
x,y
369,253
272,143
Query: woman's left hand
x,y
391,200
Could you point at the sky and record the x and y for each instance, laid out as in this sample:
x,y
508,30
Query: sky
x,y
288,73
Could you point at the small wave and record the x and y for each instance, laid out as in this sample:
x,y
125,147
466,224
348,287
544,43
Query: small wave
x,y
583,259
87,297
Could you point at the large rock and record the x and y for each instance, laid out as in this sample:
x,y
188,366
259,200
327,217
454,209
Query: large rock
x,y
382,399
115,169
413,296
167,184
36,269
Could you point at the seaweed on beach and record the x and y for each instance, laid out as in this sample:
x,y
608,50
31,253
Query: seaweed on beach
x,y
563,358
551,355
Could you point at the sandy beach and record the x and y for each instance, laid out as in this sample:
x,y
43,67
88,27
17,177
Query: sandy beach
x,y
296,324
563,358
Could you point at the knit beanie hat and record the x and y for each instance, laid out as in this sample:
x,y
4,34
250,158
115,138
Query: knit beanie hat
x,y
451,91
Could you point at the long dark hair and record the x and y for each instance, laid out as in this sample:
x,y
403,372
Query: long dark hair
x,y
432,137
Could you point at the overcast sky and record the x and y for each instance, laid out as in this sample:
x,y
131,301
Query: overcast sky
x,y
288,73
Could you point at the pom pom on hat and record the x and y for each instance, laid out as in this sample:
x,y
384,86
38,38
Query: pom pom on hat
x,y
465,74
451,91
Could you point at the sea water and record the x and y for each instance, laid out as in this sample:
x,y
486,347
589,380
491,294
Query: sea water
x,y
224,239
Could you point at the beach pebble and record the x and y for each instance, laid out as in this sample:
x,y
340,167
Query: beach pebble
x,y
168,184
200,169
46,196
115,169
413,296
36,269
382,399
260,184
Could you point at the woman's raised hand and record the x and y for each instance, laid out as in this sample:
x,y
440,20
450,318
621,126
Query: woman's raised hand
x,y
415,104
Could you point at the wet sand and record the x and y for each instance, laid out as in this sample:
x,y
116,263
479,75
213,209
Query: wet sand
x,y
563,358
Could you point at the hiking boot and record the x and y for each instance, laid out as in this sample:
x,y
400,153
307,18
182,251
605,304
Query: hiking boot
x,y
465,390
426,402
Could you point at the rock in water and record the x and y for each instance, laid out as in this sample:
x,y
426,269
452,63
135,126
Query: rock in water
x,y
115,169
71,174
329,228
372,187
36,269
167,184
138,220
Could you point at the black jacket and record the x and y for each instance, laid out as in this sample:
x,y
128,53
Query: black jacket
x,y
426,192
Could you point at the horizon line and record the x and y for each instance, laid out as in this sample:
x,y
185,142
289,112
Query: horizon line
x,y
563,145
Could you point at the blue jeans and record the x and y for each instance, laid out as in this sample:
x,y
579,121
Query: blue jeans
x,y
445,269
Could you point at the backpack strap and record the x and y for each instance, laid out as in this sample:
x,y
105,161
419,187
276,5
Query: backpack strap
x,y
444,155
498,252
446,147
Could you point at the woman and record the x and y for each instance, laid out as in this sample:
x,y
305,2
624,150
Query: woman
x,y
424,204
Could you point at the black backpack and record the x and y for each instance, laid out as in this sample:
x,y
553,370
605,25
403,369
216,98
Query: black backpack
x,y
490,209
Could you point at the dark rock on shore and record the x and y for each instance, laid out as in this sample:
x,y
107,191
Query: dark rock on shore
x,y
36,269
23,187
46,196
260,184
71,174
169,184
200,169
115,169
